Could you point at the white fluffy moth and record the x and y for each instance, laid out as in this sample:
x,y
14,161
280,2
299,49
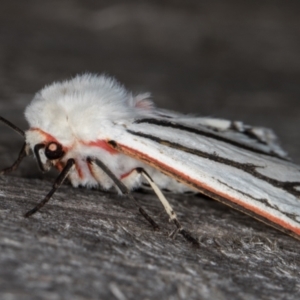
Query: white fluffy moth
x,y
96,133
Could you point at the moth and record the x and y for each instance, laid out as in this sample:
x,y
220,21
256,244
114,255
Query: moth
x,y
96,133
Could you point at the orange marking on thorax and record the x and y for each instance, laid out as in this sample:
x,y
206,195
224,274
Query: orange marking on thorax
x,y
103,145
169,170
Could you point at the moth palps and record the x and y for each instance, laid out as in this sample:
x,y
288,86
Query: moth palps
x,y
79,124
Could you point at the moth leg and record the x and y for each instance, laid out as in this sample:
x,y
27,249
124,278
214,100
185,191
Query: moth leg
x,y
123,189
168,209
58,182
23,153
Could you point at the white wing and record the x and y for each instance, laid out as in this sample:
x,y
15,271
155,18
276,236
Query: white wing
x,y
252,178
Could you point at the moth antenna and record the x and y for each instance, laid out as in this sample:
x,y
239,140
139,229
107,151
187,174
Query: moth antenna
x,y
123,189
12,126
58,182
23,153
168,209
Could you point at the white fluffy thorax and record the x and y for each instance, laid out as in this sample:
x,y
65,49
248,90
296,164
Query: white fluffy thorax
x,y
82,111
84,108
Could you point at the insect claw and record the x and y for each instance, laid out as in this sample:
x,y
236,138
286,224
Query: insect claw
x,y
30,212
189,237
185,233
174,233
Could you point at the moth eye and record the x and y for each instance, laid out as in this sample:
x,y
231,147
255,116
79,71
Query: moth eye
x,y
54,151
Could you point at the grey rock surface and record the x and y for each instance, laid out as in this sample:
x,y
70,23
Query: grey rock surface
x,y
216,58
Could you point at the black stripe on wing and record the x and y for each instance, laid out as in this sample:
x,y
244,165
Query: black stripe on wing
x,y
208,134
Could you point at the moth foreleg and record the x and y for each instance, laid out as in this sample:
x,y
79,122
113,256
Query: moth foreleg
x,y
168,208
23,153
122,188
58,182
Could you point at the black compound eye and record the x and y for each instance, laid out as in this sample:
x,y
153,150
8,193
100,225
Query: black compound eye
x,y
54,151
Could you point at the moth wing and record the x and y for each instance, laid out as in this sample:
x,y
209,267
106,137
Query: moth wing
x,y
261,185
259,138
256,137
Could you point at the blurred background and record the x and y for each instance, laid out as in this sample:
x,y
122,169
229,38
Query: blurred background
x,y
222,58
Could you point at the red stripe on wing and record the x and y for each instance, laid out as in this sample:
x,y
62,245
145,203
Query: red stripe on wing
x,y
103,145
194,183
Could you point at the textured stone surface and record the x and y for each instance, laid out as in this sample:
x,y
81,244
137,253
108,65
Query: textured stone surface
x,y
221,59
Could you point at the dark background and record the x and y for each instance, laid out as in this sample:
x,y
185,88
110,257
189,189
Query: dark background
x,y
230,59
